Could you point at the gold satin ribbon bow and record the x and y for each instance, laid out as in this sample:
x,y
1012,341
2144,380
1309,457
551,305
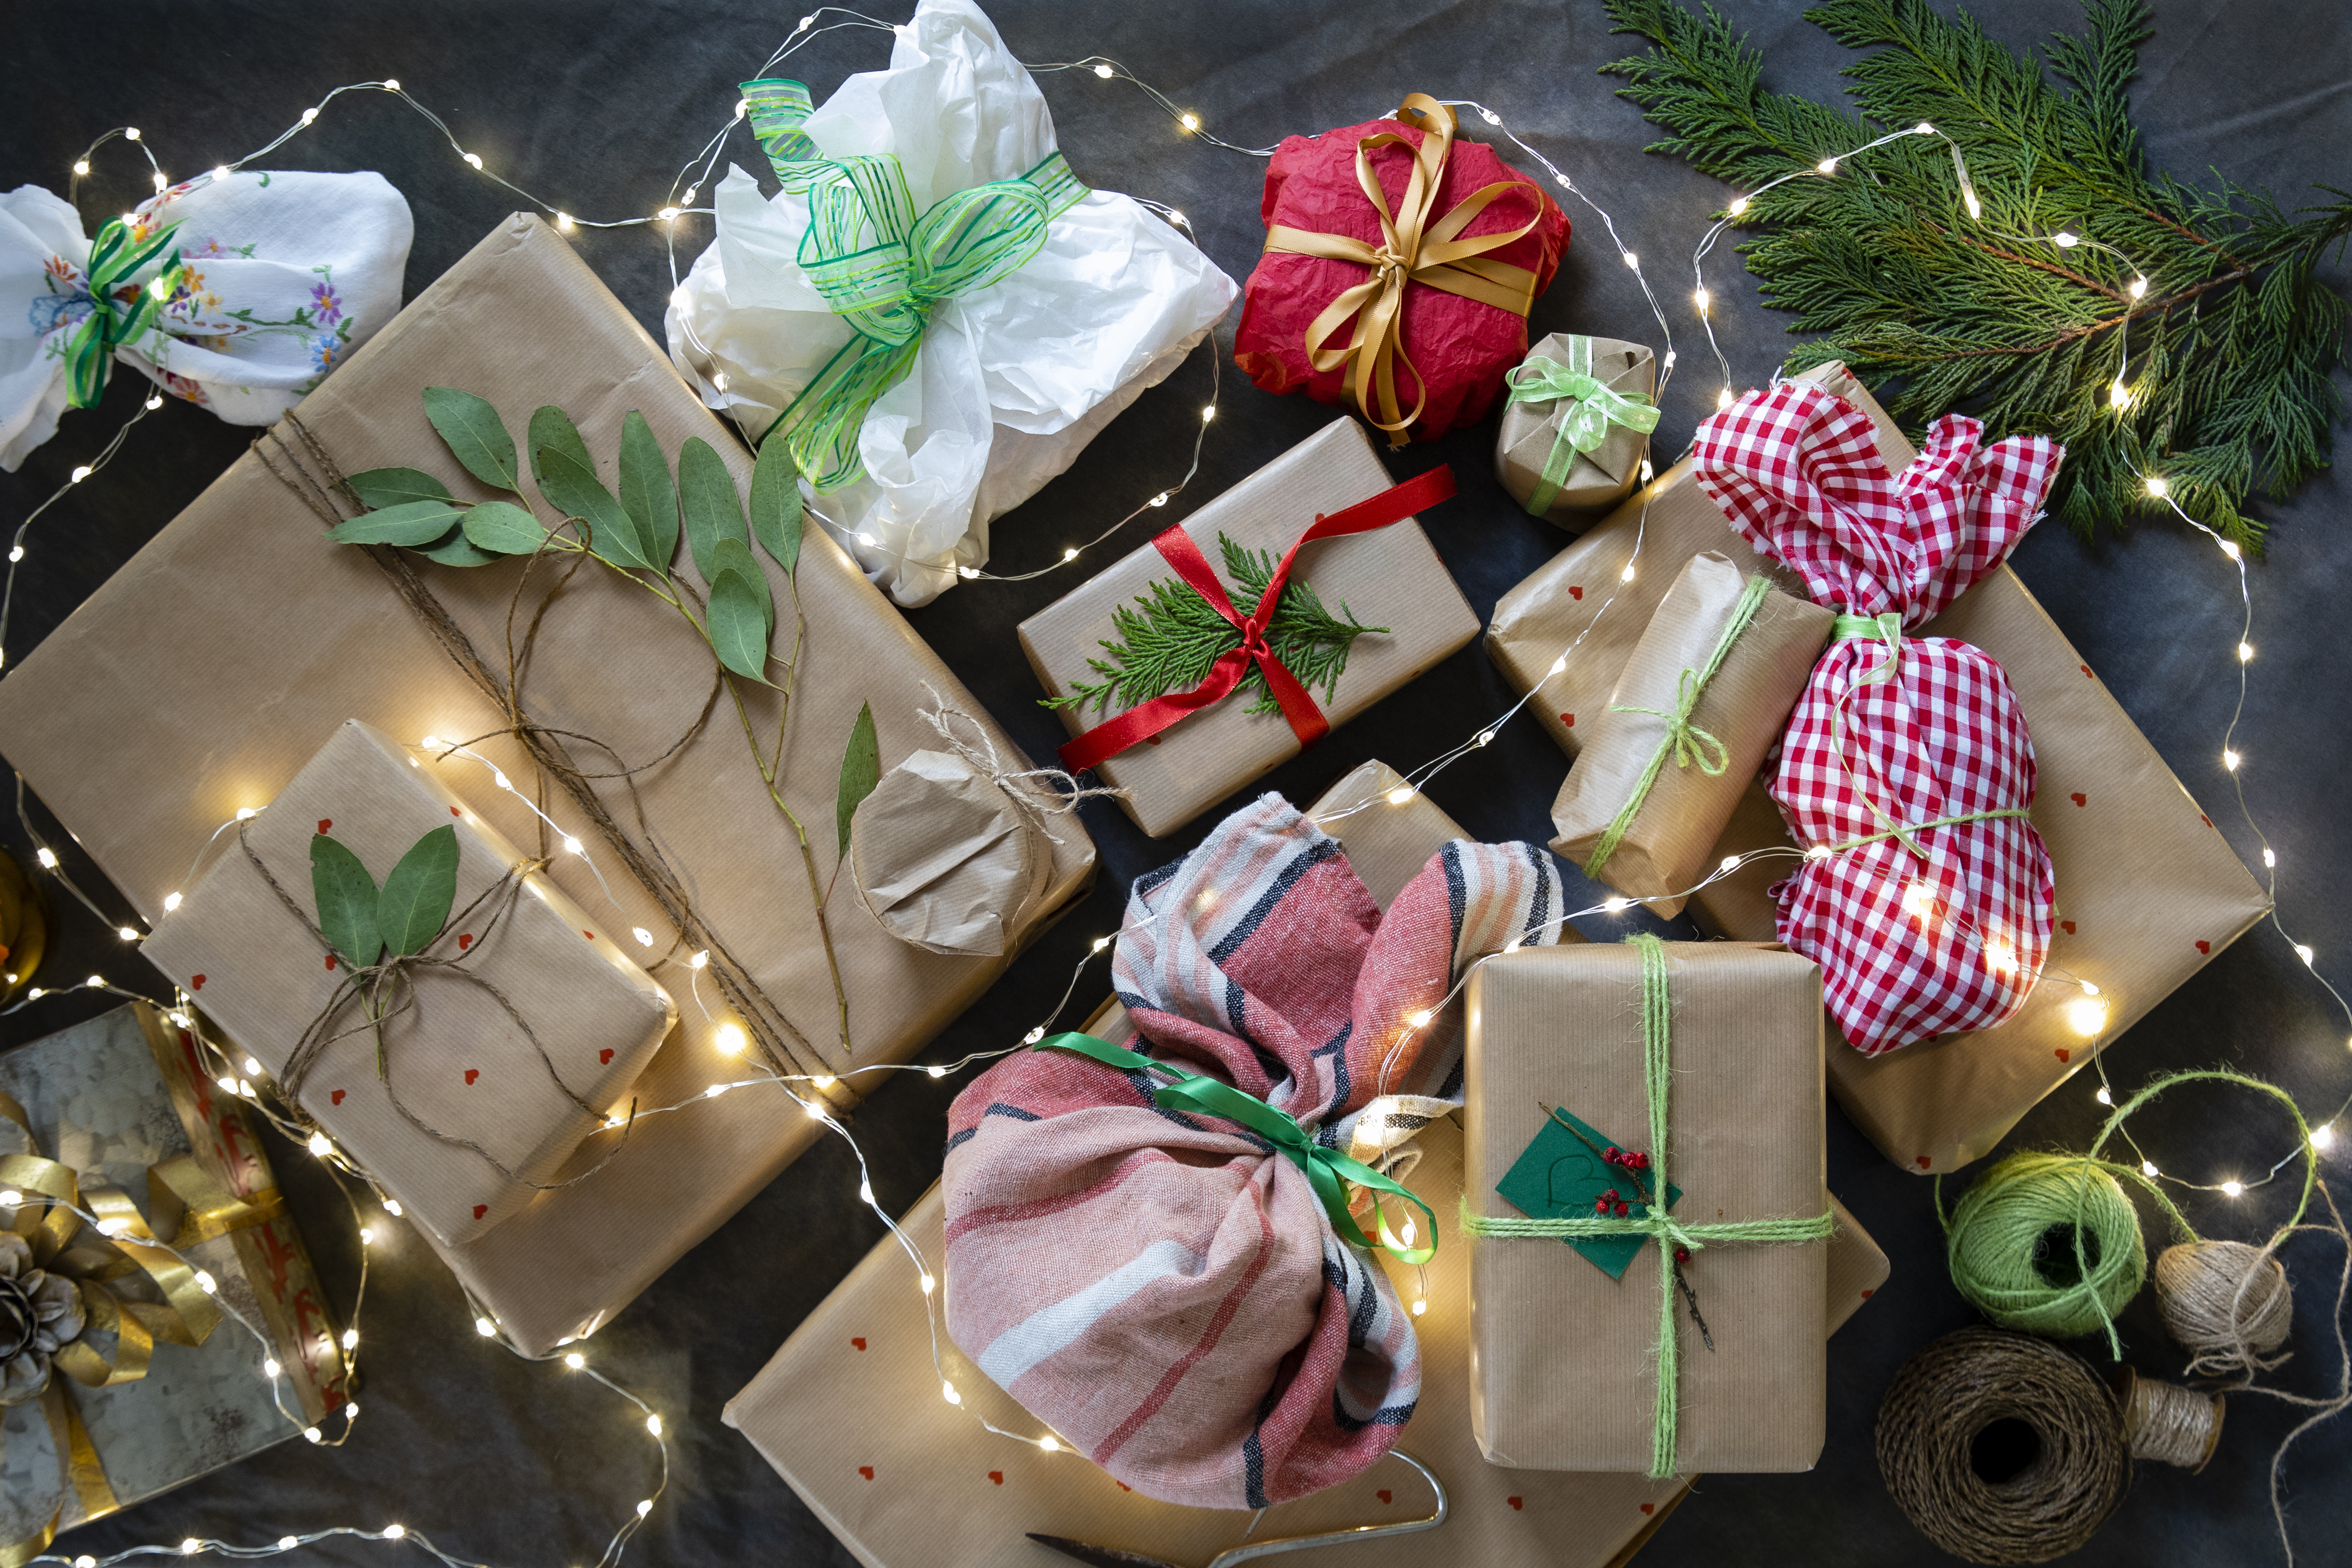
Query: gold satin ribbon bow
x,y
117,1267
1412,249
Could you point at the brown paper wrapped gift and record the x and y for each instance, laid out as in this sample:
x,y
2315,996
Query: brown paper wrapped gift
x,y
1739,706
849,1410
1391,577
511,1093
1530,433
2147,891
295,635
948,858
1561,1029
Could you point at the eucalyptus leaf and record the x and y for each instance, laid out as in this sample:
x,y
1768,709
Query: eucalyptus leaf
x,y
415,900
646,492
477,437
411,522
739,624
861,769
575,489
503,528
454,549
734,555
776,511
346,897
391,487
713,511
551,426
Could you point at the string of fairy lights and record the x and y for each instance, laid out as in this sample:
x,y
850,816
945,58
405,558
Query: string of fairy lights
x,y
730,1041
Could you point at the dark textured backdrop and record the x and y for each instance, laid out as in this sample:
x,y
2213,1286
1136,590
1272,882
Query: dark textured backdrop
x,y
592,107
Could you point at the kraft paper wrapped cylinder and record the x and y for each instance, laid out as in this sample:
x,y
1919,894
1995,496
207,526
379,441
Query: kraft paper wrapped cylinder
x,y
849,1414
299,635
512,1093
1390,577
946,858
1565,1358
1566,451
2147,891
1702,699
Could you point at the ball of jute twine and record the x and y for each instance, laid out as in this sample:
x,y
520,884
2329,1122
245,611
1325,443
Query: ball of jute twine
x,y
1949,1394
2226,1303
2047,1243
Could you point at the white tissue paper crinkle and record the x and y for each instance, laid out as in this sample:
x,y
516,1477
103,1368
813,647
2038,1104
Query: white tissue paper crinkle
x,y
286,273
1012,380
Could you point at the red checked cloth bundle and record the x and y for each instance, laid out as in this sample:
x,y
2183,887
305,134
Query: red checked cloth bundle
x,y
1165,1290
1926,894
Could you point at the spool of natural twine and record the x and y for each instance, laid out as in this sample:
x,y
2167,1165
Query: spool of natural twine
x,y
2047,1243
1972,1393
2164,1422
2226,1303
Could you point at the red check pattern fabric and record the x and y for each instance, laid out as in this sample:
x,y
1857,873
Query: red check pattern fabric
x,y
1162,1288
1944,929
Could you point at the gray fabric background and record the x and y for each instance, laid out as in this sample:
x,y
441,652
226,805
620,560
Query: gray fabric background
x,y
591,106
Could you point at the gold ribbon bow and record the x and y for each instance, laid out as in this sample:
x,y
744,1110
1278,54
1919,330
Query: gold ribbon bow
x,y
1412,249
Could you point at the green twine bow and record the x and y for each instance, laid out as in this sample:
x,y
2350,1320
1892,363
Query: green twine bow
x,y
1654,1222
1684,740
1886,627
882,268
1584,424
114,257
1326,1169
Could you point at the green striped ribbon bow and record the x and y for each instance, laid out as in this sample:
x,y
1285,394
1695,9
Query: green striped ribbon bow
x,y
1326,1169
1584,424
882,266
115,258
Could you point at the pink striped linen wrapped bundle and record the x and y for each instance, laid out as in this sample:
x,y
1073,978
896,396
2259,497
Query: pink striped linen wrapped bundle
x,y
1162,1288
1907,770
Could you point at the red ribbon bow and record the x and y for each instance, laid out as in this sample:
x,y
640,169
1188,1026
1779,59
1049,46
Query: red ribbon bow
x,y
1137,724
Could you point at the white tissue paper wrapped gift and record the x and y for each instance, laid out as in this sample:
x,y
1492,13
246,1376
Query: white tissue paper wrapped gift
x,y
1012,379
280,276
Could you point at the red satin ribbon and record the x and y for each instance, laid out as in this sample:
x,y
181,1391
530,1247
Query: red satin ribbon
x,y
1138,724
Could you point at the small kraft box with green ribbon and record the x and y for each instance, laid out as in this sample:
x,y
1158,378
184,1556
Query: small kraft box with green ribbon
x,y
1609,1331
1575,425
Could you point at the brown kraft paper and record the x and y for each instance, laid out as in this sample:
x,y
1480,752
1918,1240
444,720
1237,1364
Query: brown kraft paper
x,y
292,635
1598,477
1561,1027
1669,844
2147,891
849,1410
945,857
1391,577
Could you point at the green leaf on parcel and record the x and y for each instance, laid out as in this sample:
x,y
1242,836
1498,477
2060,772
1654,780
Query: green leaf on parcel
x,y
572,488
391,487
646,492
503,528
739,624
713,511
347,901
551,426
861,769
415,903
411,522
477,435
776,512
454,549
734,555
1560,1175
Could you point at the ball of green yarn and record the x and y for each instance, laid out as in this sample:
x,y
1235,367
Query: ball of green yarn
x,y
2012,1246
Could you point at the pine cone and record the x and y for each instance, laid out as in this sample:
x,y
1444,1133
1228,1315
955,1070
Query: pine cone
x,y
39,1314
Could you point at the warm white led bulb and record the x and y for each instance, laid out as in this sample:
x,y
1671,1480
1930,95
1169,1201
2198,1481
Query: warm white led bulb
x,y
2235,1189
1627,574
2230,760
2065,241
574,1360
1419,1305
1730,863
1633,261
929,1284
350,1340
867,540
1420,1020
1701,299
270,1368
1069,554
2103,1097
2138,287
1159,499
968,573
127,933
392,84
653,1424
392,1207
131,132
47,857
2323,1135
1188,121
246,813
2270,859
1976,207
825,1080
714,1091
1616,906
288,1542
935,1071
1723,399
81,165
486,1329
1739,205
2147,1168
644,1507
1050,1444
191,1546
947,1391
367,1235
2229,547
563,221
2303,953
2119,396
731,1039
395,1531
78,474
1918,900
320,1146
1208,413
1104,70
865,1192
1400,794
2086,1016
309,116
2245,653
313,1434
1826,166
1923,129
2156,486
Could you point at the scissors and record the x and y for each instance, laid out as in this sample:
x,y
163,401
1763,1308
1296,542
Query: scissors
x,y
1112,1557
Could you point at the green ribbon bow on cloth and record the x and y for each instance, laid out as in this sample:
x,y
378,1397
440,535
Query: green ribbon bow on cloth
x,y
1653,1223
115,258
1585,424
882,268
1326,1169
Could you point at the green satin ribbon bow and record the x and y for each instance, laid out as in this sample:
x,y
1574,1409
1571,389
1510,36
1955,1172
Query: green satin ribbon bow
x,y
1326,1169
114,257
1585,425
883,268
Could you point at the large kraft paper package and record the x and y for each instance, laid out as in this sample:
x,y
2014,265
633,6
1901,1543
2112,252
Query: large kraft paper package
x,y
1391,577
2148,890
1565,1358
849,1410
238,637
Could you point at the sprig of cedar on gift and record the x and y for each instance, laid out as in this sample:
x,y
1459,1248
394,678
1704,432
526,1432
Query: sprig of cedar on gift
x,y
2231,338
1167,640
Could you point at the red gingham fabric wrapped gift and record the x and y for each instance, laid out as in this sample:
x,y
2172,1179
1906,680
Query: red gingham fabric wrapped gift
x,y
1162,1288
1923,924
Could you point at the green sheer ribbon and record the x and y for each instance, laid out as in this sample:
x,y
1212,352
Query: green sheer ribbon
x,y
1685,741
1327,1170
115,257
883,268
1585,424
1654,1222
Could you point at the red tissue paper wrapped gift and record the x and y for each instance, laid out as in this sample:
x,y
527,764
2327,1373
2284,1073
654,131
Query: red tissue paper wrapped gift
x,y
1399,266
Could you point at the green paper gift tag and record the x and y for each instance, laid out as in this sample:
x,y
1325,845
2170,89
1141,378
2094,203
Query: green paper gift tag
x,y
1556,1176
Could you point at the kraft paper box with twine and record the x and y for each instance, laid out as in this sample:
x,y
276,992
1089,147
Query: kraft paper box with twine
x,y
1577,418
1390,577
501,1049
2149,892
300,633
126,1104
849,1409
